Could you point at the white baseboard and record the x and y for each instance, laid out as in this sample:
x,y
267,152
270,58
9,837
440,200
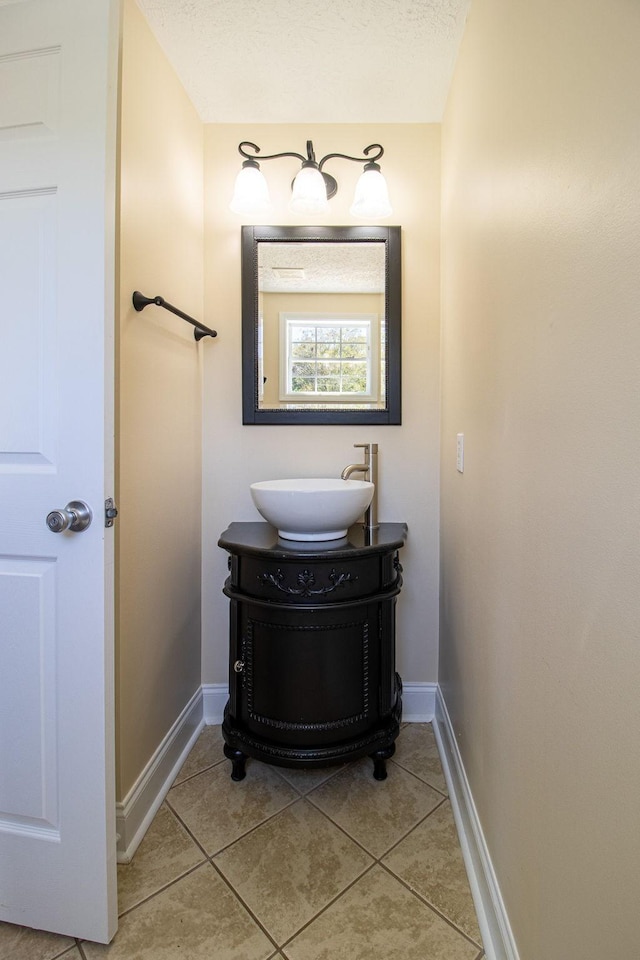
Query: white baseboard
x,y
418,702
135,813
497,935
214,698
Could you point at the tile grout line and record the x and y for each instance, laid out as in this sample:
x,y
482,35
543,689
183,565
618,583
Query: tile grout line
x,y
414,827
300,799
207,858
184,825
335,770
300,796
420,897
324,909
162,889
341,829
421,779
251,830
378,861
357,842
245,906
227,882
374,860
192,776
63,953
208,861
432,907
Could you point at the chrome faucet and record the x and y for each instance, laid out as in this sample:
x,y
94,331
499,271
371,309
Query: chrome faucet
x,y
369,469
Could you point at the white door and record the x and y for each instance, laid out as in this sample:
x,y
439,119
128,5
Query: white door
x,y
58,73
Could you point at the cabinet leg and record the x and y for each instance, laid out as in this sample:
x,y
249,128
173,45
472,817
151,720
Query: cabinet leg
x,y
380,758
379,767
238,760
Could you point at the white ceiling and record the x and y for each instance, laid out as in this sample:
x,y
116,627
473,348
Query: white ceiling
x,y
302,61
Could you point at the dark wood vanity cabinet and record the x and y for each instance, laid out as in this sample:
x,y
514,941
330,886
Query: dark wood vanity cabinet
x,y
312,647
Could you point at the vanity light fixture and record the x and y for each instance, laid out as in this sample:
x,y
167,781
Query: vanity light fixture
x,y
312,188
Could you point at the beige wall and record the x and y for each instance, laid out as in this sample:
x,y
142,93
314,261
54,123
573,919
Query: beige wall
x,y
159,428
540,653
235,455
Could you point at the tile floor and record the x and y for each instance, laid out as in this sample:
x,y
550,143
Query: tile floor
x,y
290,865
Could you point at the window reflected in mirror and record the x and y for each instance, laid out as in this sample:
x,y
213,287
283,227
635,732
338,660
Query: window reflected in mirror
x,y
329,357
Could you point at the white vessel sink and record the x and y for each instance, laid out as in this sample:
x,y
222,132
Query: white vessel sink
x,y
312,509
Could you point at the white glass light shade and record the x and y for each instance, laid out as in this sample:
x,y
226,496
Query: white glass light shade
x,y
371,198
309,192
251,194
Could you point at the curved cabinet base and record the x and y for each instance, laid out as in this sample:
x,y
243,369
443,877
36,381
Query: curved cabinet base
x,y
378,743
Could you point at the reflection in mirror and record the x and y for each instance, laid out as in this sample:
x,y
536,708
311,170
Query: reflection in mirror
x,y
321,324
320,319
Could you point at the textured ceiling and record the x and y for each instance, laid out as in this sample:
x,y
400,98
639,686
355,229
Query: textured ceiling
x,y
301,61
321,267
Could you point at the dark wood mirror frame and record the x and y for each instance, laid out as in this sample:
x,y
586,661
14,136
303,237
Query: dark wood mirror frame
x,y
252,236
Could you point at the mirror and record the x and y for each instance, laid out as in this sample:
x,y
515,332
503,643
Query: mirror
x,y
321,318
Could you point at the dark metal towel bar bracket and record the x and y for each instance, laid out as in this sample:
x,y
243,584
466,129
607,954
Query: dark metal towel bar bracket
x,y
140,302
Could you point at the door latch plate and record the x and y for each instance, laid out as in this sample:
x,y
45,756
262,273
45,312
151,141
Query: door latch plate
x,y
110,512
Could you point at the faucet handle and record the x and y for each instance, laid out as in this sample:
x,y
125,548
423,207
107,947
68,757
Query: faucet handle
x,y
371,447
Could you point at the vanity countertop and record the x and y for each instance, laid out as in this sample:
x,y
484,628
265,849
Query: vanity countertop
x,y
262,539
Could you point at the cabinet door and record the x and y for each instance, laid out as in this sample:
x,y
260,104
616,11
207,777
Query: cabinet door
x,y
309,675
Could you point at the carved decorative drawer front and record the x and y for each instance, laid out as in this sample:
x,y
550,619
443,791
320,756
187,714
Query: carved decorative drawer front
x,y
309,582
312,677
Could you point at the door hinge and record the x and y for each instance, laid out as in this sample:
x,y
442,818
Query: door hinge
x,y
110,512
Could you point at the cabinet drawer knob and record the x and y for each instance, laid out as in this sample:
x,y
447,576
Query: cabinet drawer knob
x,y
238,666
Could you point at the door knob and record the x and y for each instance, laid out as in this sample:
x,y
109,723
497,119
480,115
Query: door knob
x,y
76,516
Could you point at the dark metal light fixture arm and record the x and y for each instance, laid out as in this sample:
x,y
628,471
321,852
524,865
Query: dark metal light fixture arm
x,y
311,156
140,302
366,158
266,156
